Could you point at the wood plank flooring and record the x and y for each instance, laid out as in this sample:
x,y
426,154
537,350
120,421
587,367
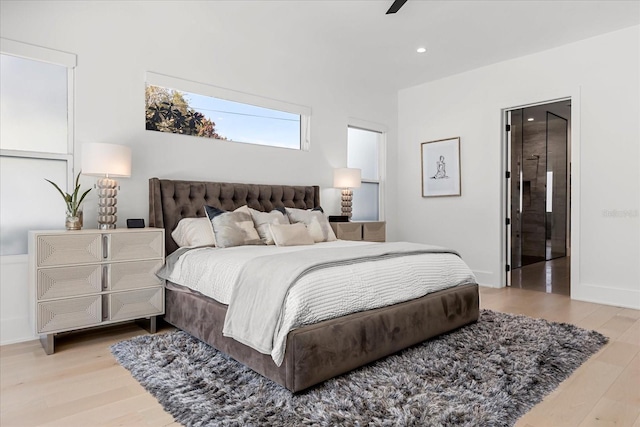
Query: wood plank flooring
x,y
82,385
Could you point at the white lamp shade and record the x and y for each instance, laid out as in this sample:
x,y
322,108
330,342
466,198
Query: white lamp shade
x,y
347,178
106,160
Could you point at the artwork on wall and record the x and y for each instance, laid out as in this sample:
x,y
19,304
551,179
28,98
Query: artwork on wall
x,y
441,167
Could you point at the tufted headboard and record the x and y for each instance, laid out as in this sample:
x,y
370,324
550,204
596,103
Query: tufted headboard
x,y
171,200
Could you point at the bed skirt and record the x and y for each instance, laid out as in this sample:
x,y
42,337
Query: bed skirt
x,y
324,350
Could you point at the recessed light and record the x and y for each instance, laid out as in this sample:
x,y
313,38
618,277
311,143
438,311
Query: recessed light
x,y
421,50
530,119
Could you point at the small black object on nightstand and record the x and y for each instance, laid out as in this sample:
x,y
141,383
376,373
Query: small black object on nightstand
x,y
338,218
135,223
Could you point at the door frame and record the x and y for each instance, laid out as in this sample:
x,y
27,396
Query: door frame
x,y
574,179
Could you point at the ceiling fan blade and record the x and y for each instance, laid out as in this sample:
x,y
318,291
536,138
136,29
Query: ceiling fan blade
x,y
396,6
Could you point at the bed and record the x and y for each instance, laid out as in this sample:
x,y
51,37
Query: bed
x,y
317,352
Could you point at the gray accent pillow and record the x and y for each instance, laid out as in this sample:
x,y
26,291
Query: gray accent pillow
x,y
290,234
262,220
317,224
233,228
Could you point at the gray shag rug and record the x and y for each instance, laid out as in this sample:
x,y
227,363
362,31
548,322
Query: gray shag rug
x,y
486,374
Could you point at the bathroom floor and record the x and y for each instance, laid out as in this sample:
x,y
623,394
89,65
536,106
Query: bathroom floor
x,y
552,277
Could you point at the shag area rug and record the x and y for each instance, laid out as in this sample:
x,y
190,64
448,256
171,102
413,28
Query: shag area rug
x,y
486,374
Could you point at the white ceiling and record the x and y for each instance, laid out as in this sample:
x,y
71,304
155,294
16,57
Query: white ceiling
x,y
357,38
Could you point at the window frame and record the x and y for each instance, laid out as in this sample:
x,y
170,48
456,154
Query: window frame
x,y
55,57
382,158
183,85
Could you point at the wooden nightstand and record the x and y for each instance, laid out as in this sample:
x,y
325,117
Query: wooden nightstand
x,y
370,231
86,278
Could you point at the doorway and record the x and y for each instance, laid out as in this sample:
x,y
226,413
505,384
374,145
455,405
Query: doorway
x,y
538,211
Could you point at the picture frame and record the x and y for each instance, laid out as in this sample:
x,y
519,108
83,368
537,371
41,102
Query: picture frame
x,y
441,167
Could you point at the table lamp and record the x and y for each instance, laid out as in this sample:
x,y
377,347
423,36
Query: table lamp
x,y
347,178
107,161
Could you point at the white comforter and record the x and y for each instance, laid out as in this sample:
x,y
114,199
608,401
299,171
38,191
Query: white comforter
x,y
327,293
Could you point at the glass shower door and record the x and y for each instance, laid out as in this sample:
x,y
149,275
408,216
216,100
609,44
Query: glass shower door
x,y
556,198
532,190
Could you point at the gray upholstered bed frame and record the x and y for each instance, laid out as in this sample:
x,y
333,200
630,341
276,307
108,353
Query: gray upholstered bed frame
x,y
317,352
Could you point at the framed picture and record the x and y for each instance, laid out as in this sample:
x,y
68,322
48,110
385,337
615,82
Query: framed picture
x,y
441,167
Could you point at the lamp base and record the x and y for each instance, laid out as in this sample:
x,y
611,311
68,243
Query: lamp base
x,y
107,192
347,197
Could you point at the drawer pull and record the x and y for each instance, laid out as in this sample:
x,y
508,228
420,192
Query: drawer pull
x,y
105,246
105,307
105,277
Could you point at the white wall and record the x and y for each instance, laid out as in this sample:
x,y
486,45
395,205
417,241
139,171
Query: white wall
x,y
226,44
602,75
14,299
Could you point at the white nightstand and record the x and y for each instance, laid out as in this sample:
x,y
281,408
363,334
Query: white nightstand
x,y
86,278
370,231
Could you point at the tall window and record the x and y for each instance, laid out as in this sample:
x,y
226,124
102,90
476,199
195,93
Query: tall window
x,y
36,140
365,148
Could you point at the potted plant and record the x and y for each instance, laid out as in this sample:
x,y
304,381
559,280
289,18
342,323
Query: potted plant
x,y
73,202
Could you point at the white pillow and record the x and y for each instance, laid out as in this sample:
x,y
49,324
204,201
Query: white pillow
x,y
194,232
317,224
262,220
290,234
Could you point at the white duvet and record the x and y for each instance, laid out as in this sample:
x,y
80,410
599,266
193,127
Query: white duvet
x,y
327,293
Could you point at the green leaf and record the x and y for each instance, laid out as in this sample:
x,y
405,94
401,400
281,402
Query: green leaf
x,y
83,196
64,196
71,200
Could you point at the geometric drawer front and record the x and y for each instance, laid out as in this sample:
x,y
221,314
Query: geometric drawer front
x,y
69,314
130,246
69,281
133,304
374,232
137,274
348,231
68,249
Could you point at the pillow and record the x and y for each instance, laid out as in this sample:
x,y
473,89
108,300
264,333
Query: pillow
x,y
194,232
233,228
261,220
290,234
317,224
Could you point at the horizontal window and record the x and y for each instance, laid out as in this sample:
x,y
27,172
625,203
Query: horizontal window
x,y
190,108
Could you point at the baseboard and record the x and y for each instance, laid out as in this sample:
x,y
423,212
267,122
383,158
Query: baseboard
x,y
14,331
487,279
618,297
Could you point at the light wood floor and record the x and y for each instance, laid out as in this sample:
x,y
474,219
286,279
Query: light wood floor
x,y
82,385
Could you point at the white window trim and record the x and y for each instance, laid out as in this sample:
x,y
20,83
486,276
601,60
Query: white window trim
x,y
51,56
56,57
382,158
170,82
